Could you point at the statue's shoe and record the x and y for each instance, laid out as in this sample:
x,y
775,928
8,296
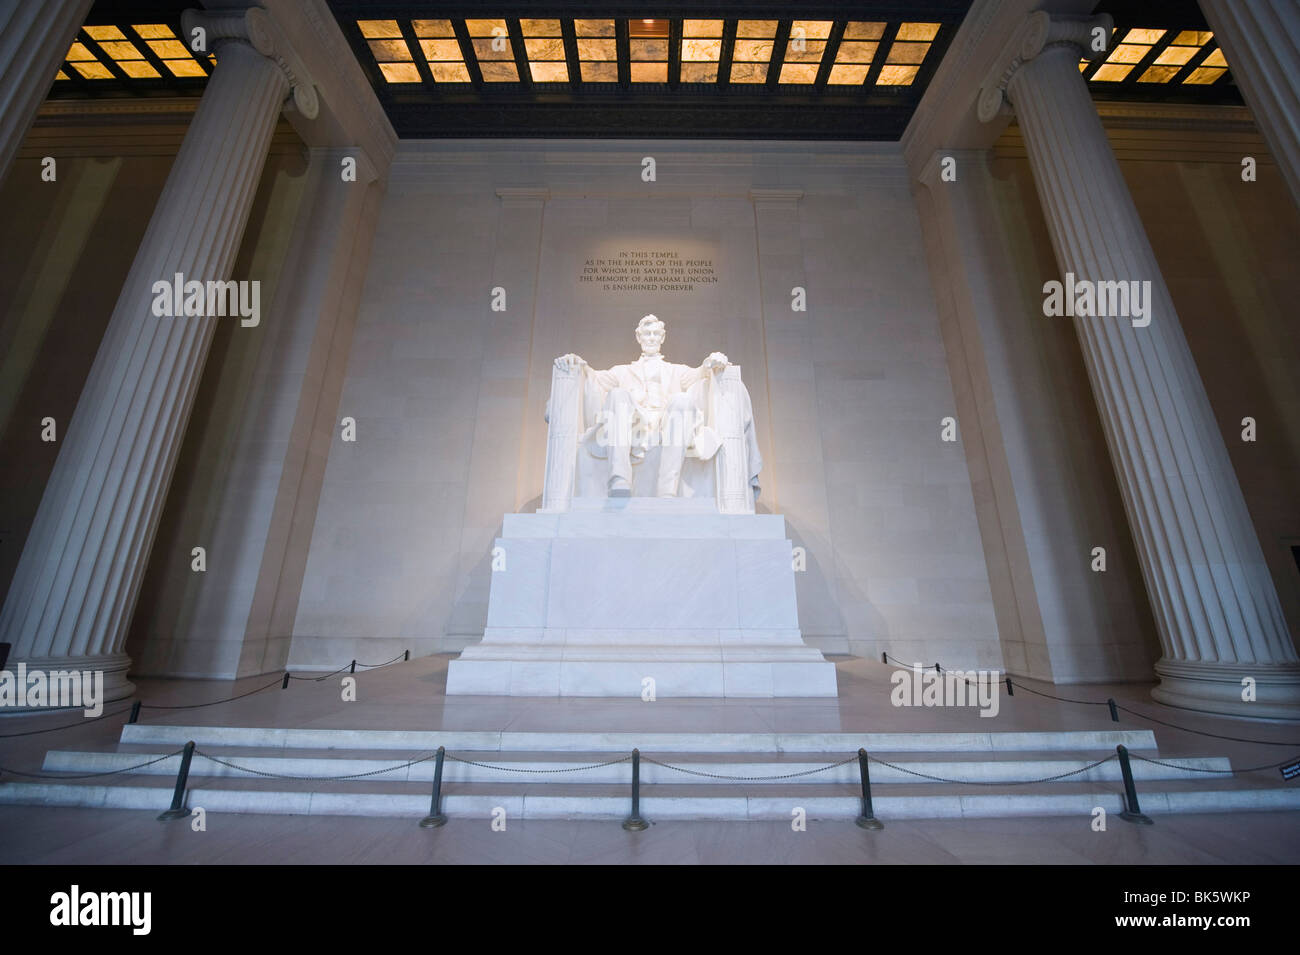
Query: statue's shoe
x,y
618,487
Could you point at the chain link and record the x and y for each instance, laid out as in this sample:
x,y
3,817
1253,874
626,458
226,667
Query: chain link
x,y
1197,769
268,775
111,772
985,782
516,769
806,772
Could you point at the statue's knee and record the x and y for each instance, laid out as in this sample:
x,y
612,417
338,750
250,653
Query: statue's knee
x,y
619,396
681,402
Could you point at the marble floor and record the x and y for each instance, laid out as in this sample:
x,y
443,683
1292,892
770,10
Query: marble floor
x,y
410,696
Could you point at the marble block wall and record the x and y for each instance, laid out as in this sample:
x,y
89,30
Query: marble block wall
x,y
448,392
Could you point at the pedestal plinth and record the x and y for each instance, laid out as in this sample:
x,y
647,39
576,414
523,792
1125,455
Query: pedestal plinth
x,y
609,595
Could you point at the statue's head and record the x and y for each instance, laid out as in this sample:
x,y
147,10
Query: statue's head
x,y
650,334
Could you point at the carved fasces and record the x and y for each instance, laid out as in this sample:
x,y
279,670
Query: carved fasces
x,y
729,417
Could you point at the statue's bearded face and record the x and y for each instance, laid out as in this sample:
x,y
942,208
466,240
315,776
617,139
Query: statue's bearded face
x,y
650,336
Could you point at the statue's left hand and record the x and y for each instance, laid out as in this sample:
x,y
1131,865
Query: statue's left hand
x,y
715,361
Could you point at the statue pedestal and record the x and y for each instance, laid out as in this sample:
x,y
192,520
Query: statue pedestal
x,y
600,598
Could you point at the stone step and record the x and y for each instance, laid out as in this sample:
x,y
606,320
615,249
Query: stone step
x,y
549,768
660,803
844,744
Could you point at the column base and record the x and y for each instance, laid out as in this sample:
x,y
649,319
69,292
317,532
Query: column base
x,y
1217,688
113,665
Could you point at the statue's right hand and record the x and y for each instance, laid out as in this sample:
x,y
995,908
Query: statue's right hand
x,y
569,362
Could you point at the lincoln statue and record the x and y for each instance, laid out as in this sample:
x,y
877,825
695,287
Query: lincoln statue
x,y
650,403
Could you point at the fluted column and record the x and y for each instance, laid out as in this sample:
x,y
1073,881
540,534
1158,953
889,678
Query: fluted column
x,y
1261,41
34,39
74,590
1214,602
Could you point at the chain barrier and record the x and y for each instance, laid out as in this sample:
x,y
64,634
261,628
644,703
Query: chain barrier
x,y
195,706
111,772
318,679
806,772
516,769
985,782
1118,706
66,726
1198,769
179,706
269,775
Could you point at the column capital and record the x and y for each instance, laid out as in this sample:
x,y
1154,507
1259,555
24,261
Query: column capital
x,y
1039,31
254,27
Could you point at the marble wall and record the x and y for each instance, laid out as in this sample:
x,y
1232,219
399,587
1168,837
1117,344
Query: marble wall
x,y
448,393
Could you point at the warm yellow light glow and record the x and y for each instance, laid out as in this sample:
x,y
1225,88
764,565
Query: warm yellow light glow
x,y
432,28
749,72
844,75
811,29
756,28
593,27
153,31
60,75
649,72
400,72
803,73
449,72
856,51
379,29
1112,72
1127,53
917,31
548,72
104,33
597,50
699,72
124,50
544,49
390,51
499,72
907,53
138,69
864,30
1158,74
702,28
752,51
93,70
701,50
184,68
486,27
1193,38
78,52
648,50
1215,59
542,28
897,75
1175,55
1144,36
599,72
1204,76
440,50
493,48
169,49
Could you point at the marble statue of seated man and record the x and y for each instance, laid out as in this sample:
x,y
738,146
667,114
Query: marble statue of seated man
x,y
650,402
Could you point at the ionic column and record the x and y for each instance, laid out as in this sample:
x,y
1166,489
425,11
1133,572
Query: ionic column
x,y
1214,603
74,590
34,39
1261,41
